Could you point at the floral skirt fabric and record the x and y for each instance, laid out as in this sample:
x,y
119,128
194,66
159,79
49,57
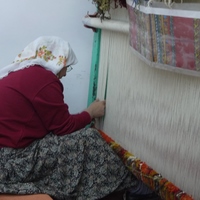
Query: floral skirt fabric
x,y
77,166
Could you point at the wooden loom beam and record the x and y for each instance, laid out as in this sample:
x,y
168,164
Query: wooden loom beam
x,y
94,67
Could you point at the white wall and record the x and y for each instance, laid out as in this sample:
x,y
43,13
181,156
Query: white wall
x,y
22,21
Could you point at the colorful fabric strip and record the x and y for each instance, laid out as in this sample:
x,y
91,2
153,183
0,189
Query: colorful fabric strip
x,y
164,39
150,177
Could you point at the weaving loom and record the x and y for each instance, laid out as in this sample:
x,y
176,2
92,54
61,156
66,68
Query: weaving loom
x,y
151,112
152,115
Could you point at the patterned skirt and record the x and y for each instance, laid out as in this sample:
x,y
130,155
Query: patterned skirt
x,y
77,166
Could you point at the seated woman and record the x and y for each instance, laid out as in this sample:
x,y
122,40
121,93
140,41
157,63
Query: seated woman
x,y
43,148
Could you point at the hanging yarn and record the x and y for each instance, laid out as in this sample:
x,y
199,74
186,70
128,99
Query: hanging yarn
x,y
103,7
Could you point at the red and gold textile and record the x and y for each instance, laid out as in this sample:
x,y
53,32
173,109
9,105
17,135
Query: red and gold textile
x,y
155,181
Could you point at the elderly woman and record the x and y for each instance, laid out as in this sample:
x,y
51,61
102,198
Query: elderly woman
x,y
44,148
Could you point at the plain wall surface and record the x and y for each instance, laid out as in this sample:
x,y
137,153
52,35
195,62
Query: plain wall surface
x,y
22,21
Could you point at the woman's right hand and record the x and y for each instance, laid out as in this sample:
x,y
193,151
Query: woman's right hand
x,y
96,109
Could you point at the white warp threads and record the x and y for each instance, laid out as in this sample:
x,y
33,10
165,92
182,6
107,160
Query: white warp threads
x,y
152,113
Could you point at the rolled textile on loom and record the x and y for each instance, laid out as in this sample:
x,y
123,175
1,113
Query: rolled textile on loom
x,y
149,176
151,112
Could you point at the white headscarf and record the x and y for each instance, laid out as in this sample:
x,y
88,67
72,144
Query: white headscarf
x,y
50,52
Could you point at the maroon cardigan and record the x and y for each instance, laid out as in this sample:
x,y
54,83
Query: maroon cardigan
x,y
32,105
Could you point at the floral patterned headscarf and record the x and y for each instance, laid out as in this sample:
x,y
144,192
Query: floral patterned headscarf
x,y
50,52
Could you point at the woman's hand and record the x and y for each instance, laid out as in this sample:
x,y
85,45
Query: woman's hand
x,y
96,109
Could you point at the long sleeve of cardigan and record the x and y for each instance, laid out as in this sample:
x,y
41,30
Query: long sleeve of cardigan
x,y
53,112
